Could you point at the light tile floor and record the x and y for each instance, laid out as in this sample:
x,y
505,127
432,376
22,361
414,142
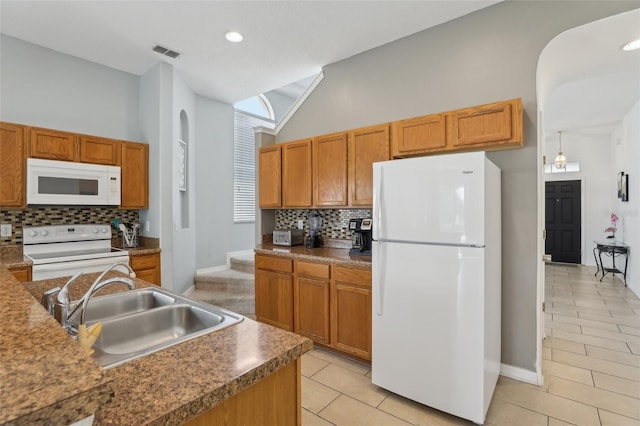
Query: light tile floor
x,y
591,367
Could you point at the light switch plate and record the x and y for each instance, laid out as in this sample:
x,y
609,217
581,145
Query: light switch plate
x,y
5,230
300,224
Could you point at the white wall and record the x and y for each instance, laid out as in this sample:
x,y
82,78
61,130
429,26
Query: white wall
x,y
627,159
597,180
217,234
45,88
482,57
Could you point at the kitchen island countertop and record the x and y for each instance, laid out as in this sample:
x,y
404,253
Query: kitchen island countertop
x,y
169,387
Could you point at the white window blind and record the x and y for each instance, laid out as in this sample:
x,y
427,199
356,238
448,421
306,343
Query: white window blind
x,y
244,165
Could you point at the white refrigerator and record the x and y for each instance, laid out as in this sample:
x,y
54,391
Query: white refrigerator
x,y
437,281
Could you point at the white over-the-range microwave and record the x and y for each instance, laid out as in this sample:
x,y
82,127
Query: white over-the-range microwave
x,y
69,183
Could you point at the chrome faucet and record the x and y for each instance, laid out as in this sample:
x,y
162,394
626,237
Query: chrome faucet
x,y
65,310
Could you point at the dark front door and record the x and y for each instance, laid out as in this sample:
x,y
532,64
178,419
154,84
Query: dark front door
x,y
562,220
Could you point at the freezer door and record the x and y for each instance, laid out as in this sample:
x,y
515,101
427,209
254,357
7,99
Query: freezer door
x,y
437,199
428,330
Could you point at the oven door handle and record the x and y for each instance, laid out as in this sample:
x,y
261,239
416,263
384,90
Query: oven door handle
x,y
63,269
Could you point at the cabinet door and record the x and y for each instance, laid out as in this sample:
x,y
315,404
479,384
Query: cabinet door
x,y
312,308
274,298
99,150
12,164
366,146
135,175
496,123
270,177
147,267
330,170
419,135
296,182
53,145
351,311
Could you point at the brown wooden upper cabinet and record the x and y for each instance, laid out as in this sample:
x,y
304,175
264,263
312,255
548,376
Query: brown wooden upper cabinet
x,y
419,135
135,175
296,179
270,177
366,146
330,170
98,150
12,164
53,145
496,124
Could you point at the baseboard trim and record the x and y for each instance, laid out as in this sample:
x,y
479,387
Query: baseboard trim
x,y
518,373
189,291
212,269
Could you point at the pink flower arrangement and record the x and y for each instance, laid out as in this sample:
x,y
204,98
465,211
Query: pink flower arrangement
x,y
614,221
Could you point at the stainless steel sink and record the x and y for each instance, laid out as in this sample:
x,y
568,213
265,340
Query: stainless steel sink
x,y
140,322
126,302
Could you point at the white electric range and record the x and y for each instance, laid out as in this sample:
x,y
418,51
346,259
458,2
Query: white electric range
x,y
63,250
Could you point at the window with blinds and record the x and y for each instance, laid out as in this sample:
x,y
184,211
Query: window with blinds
x,y
244,165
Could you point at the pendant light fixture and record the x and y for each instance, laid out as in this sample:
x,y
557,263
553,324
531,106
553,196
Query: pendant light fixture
x,y
560,161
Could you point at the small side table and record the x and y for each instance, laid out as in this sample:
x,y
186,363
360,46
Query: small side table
x,y
611,249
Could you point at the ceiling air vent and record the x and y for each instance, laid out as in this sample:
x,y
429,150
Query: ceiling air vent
x,y
165,51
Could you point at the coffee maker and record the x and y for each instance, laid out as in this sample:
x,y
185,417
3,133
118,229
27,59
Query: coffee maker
x,y
361,236
315,224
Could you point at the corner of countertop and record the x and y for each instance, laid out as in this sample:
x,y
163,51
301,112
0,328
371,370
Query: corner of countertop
x,y
42,365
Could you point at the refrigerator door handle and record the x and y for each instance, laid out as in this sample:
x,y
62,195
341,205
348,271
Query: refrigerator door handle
x,y
379,272
377,229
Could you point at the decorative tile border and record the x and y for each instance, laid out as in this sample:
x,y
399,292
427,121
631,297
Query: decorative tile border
x,y
54,215
335,222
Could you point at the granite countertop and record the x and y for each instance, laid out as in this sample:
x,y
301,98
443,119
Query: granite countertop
x,y
44,376
147,245
333,255
169,387
11,257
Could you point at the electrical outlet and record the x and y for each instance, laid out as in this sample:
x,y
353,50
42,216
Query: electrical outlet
x,y
147,226
300,223
5,230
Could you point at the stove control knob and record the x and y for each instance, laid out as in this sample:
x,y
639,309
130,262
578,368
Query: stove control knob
x,y
104,230
32,233
95,230
44,233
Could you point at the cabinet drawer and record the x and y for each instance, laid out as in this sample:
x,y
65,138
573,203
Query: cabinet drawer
x,y
274,263
352,275
312,269
143,262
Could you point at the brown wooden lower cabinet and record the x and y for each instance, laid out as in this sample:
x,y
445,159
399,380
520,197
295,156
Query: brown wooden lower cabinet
x,y
147,267
274,291
351,311
273,401
311,301
330,304
22,273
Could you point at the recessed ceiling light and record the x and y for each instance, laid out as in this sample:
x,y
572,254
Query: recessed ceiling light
x,y
632,45
234,37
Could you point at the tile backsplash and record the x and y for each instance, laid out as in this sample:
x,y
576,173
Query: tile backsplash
x,y
335,222
56,215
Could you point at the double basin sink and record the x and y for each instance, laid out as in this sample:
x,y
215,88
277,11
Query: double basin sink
x,y
139,322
